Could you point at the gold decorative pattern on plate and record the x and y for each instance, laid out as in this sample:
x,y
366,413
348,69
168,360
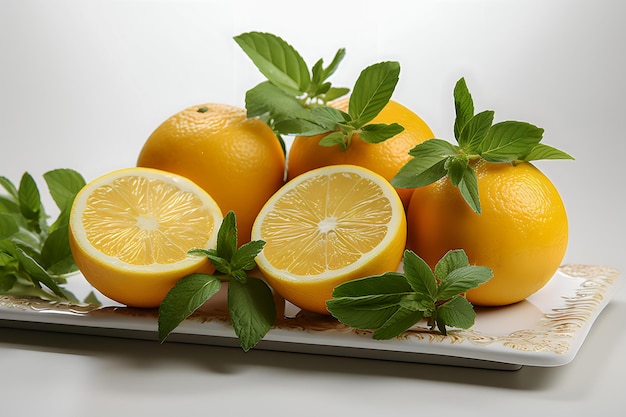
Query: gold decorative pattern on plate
x,y
553,333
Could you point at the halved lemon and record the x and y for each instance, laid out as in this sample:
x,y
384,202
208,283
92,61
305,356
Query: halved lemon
x,y
328,226
130,231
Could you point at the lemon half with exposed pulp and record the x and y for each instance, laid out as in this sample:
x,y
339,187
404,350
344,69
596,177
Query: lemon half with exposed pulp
x,y
328,226
130,232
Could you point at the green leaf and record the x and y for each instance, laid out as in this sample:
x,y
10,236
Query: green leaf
x,y
8,255
319,75
474,131
8,205
30,199
334,64
9,187
388,283
457,166
252,310
468,186
245,255
366,312
329,117
379,132
265,98
419,275
463,105
542,151
56,256
457,312
461,280
367,303
6,281
334,93
227,237
509,141
278,61
8,226
452,260
398,323
183,299
332,139
37,273
372,91
63,185
427,165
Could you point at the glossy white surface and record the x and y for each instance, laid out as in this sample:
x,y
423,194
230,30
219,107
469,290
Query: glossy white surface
x,y
82,84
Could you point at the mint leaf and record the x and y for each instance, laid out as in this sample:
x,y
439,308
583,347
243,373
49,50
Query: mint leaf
x,y
542,151
8,226
250,301
325,73
427,165
56,256
227,237
30,201
319,120
243,259
189,294
37,273
391,303
474,132
332,139
419,275
319,86
457,312
63,185
36,254
367,303
468,186
379,132
462,279
9,187
267,98
372,91
452,260
457,166
463,106
252,310
509,141
388,283
478,139
399,322
277,60
334,93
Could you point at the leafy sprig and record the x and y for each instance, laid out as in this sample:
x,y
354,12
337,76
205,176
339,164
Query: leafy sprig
x,y
293,100
391,303
35,256
251,304
478,138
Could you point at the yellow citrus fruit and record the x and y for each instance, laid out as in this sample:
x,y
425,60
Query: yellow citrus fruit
x,y
385,158
237,160
328,226
522,233
130,231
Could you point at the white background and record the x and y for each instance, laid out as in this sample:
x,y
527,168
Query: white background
x,y
83,84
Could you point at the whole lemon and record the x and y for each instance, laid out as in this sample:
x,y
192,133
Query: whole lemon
x,y
522,233
237,160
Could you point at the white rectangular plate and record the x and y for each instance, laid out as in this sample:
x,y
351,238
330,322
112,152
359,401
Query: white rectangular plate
x,y
545,330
